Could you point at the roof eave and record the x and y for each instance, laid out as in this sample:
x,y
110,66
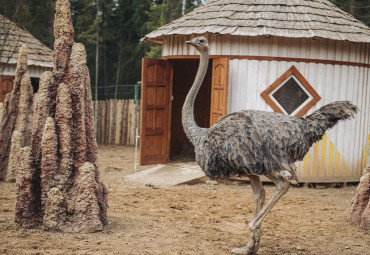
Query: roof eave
x,y
154,40
160,39
13,61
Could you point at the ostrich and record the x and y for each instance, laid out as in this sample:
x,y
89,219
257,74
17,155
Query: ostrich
x,y
253,143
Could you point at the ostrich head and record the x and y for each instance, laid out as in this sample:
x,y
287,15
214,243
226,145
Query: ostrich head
x,y
200,43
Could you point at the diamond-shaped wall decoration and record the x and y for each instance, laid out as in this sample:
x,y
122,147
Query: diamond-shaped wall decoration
x,y
291,94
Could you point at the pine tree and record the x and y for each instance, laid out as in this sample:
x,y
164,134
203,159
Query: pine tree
x,y
360,9
36,16
163,12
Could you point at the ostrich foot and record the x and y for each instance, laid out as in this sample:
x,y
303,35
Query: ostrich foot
x,y
246,250
242,250
253,244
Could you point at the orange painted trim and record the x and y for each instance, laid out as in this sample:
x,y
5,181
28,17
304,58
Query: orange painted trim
x,y
268,58
181,57
271,103
305,83
292,71
219,110
169,111
305,109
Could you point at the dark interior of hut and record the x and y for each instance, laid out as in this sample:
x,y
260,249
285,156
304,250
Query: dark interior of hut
x,y
35,84
184,72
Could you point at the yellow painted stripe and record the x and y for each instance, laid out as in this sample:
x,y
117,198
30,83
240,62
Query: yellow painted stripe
x,y
323,169
315,168
359,167
331,159
306,165
337,164
344,168
366,152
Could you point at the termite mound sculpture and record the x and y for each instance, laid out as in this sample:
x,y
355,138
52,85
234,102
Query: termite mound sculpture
x,y
15,119
58,183
360,211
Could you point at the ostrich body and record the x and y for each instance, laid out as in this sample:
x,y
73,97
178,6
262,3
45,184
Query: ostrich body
x,y
253,143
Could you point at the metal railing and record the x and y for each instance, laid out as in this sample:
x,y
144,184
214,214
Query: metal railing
x,y
118,92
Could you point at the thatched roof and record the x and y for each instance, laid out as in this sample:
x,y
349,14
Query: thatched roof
x,y
284,18
11,39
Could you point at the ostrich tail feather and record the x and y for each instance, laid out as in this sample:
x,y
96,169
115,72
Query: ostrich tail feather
x,y
329,115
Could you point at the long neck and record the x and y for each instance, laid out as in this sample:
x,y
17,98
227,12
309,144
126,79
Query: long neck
x,y
192,130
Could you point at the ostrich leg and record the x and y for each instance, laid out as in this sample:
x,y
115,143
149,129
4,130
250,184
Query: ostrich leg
x,y
252,247
259,200
258,193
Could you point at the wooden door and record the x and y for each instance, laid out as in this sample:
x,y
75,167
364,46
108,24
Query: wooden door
x,y
155,111
6,86
220,76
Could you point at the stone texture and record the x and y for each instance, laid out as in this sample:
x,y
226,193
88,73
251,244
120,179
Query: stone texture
x,y
27,209
16,145
1,111
16,114
55,214
44,108
360,212
49,159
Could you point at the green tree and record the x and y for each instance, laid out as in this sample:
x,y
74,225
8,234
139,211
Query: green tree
x,y
121,23
28,15
36,16
360,9
40,20
162,12
131,17
85,24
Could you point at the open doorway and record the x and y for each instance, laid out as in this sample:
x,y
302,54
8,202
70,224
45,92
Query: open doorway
x,y
184,72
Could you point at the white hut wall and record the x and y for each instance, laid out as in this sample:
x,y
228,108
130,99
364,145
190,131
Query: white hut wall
x,y
34,71
341,155
303,48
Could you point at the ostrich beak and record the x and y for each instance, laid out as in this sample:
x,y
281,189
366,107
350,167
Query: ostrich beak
x,y
189,42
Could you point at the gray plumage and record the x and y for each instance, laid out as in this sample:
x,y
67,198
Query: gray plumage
x,y
254,143
264,143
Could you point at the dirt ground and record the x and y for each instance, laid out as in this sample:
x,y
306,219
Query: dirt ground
x,y
197,219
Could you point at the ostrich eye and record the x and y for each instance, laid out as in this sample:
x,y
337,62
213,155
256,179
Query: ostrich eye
x,y
201,41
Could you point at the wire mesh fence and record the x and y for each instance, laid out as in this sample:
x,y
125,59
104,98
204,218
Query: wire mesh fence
x,y
118,92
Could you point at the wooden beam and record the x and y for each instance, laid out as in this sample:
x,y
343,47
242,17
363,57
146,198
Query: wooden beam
x,y
269,58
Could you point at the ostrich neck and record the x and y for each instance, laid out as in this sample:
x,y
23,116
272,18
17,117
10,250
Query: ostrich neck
x,y
192,130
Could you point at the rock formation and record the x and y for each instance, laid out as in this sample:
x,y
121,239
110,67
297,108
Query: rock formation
x,y
59,171
15,115
360,213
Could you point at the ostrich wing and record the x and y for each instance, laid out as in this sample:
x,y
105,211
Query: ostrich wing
x,y
253,142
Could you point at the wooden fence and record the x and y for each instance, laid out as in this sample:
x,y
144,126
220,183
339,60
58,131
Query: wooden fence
x,y
117,121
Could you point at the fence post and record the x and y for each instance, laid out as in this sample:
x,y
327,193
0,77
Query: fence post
x,y
136,97
96,69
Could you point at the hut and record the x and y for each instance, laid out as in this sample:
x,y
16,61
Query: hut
x,y
39,56
287,56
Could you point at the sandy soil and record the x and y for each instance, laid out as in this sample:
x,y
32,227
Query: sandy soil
x,y
199,219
